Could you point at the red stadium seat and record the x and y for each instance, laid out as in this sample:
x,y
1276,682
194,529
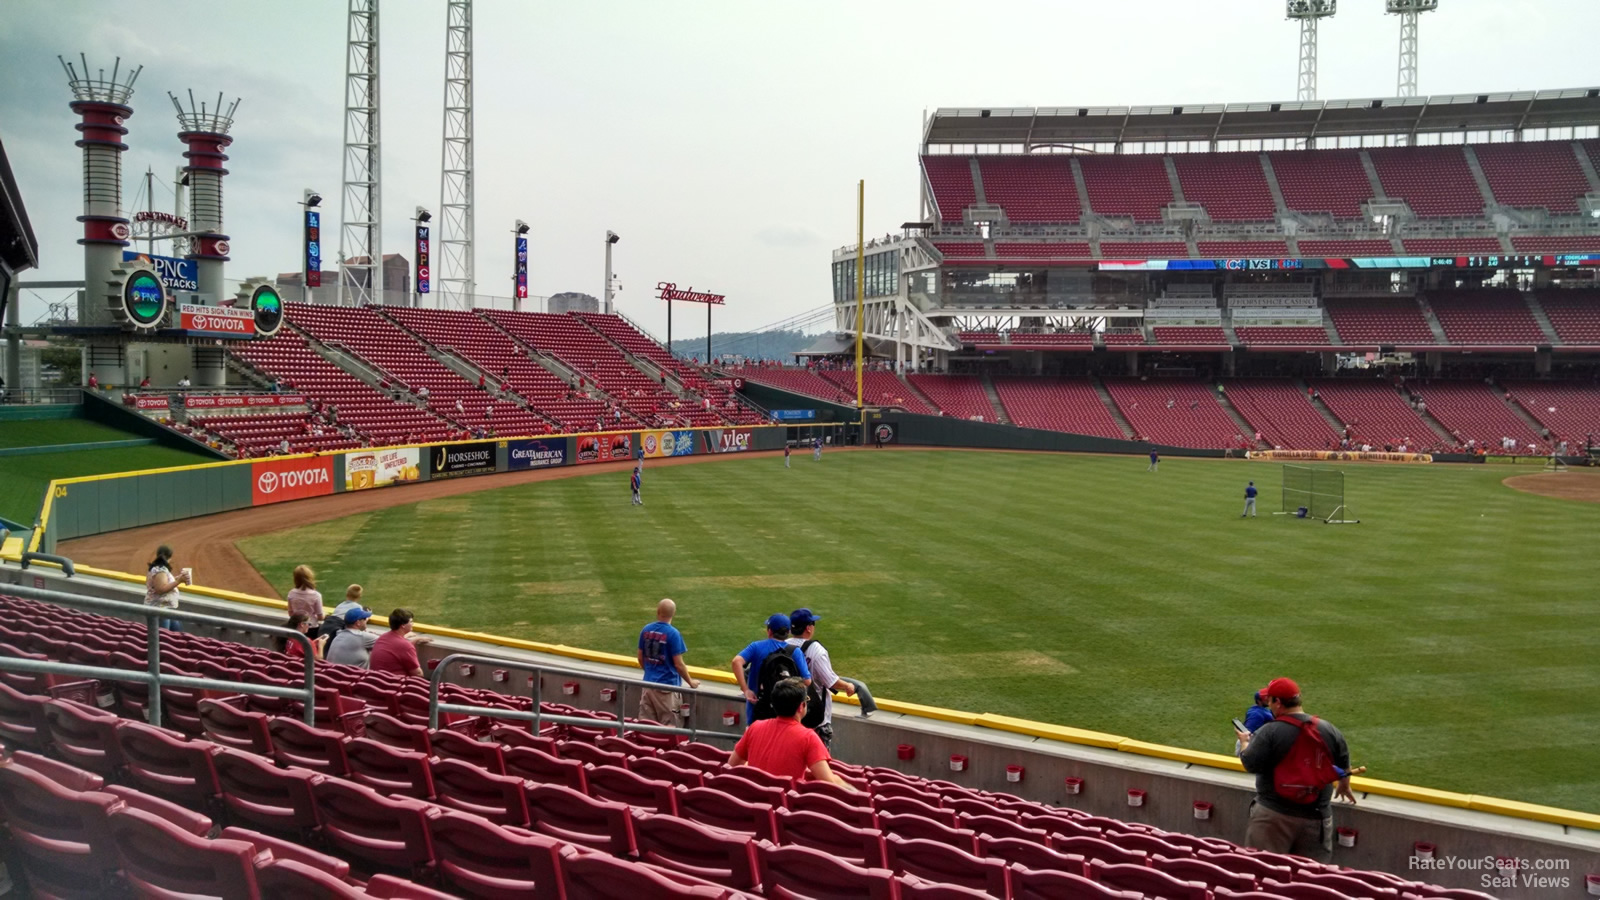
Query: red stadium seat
x,y
623,786
509,737
22,719
543,768
486,755
1145,880
161,860
882,803
569,816
389,770
480,859
908,825
296,744
658,769
859,816
84,736
941,862
390,731
803,872
858,846
722,857
1209,874
57,834
747,790
259,794
230,726
499,798
1028,884
709,806
290,879
382,832
1034,856
388,887
595,876
914,888
160,762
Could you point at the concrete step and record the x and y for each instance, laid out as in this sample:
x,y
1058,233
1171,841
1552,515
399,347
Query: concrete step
x,y
1433,321
1518,410
1319,406
1427,416
1272,184
1587,165
1537,308
1327,325
1111,405
1245,428
914,392
994,401
977,180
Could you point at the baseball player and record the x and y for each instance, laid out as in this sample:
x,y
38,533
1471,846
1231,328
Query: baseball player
x,y
638,478
816,449
1249,500
786,454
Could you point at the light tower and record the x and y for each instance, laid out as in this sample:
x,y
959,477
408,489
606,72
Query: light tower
x,y
456,281
102,104
360,203
205,131
1308,12
1408,10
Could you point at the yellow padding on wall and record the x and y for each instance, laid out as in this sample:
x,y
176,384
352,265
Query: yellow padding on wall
x,y
1409,792
1180,754
1555,815
1062,733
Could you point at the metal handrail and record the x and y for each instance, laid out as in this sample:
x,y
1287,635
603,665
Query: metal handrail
x,y
536,716
62,561
152,676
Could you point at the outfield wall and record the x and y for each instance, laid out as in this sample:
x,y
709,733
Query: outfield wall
x,y
95,504
942,431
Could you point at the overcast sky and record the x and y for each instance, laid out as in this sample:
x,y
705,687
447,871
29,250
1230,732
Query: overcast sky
x,y
722,140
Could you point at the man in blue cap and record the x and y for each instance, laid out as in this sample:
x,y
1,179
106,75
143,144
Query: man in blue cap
x,y
824,681
761,677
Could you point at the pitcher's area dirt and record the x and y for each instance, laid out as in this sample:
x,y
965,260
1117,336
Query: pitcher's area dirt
x,y
206,544
1574,484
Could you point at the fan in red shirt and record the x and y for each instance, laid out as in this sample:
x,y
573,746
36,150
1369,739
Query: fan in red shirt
x,y
781,745
394,651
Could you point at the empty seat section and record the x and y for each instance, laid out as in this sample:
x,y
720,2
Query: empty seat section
x,y
1231,186
1031,188
801,381
957,250
1134,185
725,406
1057,404
1570,409
884,388
1341,249
1434,181
1533,174
1473,410
1302,335
1143,250
950,180
1459,246
1176,412
1556,244
1243,248
1081,340
1379,321
1575,314
1375,412
1282,412
1322,181
1486,317
596,361
1042,252
1190,335
960,396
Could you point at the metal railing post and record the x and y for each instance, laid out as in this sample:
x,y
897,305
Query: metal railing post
x,y
152,658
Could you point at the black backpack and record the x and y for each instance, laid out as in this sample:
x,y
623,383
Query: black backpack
x,y
778,665
816,704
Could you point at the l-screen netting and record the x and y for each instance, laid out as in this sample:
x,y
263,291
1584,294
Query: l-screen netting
x,y
1320,491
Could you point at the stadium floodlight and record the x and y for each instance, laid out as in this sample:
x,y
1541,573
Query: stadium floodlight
x,y
1408,10
311,198
522,227
1308,12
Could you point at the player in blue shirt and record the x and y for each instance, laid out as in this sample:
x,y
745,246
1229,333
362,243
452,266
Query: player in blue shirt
x,y
1155,460
756,654
1249,501
660,655
816,448
638,479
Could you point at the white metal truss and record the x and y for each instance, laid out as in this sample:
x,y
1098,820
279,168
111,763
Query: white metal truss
x,y
456,261
1408,10
1308,12
360,204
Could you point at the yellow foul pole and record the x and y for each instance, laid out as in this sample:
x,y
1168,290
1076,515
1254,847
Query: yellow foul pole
x,y
861,277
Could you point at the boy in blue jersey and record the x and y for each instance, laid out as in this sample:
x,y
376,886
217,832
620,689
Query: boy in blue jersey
x,y
660,654
756,654
638,479
1249,501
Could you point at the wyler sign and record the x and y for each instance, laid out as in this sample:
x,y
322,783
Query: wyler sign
x,y
728,440
541,453
274,481
460,460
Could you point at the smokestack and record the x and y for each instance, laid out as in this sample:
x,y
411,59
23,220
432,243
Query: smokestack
x,y
102,105
205,131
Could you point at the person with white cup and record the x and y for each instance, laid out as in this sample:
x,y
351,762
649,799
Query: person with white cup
x,y
161,586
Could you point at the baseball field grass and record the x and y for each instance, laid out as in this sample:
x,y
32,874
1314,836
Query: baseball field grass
x,y
23,479
1451,634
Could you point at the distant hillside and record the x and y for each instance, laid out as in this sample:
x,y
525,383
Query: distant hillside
x,y
779,345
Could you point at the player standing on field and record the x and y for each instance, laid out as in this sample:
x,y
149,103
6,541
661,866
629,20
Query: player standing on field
x,y
1249,501
786,454
816,449
638,478
1155,460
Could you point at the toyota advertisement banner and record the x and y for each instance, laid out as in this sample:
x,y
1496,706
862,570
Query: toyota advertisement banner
x,y
277,480
380,468
460,460
605,448
216,321
233,401
539,453
728,440
666,443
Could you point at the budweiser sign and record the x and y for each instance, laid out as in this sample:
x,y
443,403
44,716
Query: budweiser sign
x,y
666,290
274,481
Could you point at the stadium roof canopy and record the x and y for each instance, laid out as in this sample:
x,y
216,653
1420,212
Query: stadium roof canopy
x,y
19,249
1212,122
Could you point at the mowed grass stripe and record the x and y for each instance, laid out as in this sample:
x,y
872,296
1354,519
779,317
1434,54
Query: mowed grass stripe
x,y
1449,634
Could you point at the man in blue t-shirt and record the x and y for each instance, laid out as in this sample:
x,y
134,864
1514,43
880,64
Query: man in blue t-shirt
x,y
1155,460
661,652
1249,501
756,654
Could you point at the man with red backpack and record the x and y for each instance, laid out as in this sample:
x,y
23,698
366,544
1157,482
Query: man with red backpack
x,y
1297,760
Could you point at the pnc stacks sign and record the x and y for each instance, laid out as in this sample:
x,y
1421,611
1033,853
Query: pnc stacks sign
x,y
277,480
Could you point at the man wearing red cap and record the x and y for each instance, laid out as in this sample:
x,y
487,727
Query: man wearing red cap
x,y
1288,815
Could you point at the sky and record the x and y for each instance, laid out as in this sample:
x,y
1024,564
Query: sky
x,y
722,139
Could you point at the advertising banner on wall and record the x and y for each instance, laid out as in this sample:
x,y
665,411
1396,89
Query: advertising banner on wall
x,y
277,480
883,433
146,401
231,401
794,415
522,268
176,274
539,453
313,260
666,443
216,321
605,448
424,272
458,460
728,440
380,468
